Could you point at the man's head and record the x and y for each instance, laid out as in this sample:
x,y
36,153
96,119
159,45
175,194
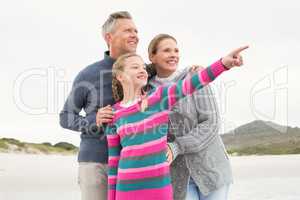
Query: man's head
x,y
120,34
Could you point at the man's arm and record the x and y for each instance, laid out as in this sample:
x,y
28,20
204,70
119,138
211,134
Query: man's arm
x,y
69,116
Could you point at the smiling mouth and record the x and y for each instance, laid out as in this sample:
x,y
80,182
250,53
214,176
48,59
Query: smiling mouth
x,y
132,42
141,77
172,62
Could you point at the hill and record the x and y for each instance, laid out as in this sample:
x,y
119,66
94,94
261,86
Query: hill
x,y
10,145
255,138
262,137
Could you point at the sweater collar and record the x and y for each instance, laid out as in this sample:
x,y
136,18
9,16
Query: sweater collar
x,y
176,76
168,79
109,60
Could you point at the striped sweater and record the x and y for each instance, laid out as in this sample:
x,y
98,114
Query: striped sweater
x,y
137,141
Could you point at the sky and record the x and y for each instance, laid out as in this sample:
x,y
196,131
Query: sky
x,y
44,44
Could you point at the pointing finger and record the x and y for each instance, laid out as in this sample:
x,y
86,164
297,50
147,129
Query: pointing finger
x,y
238,50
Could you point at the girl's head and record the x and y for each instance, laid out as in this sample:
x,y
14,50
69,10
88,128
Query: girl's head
x,y
129,74
164,54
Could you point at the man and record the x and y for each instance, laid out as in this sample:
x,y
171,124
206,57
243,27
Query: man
x,y
92,89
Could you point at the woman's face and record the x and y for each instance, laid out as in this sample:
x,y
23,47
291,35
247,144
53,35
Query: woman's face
x,y
167,56
134,73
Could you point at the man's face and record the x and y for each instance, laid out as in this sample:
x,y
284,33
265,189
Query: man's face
x,y
123,39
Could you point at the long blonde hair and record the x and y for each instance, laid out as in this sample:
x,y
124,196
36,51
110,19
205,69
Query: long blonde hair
x,y
118,67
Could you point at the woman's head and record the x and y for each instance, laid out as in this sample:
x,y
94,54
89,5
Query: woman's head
x,y
129,73
164,54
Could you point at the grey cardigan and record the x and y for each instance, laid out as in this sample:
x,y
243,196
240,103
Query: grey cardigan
x,y
197,146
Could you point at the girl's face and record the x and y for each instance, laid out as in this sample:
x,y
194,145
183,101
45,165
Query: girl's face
x,y
134,72
167,56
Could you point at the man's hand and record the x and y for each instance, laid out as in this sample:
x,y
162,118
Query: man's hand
x,y
169,155
104,115
234,59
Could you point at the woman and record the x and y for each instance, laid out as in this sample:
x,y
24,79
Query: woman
x,y
200,167
137,136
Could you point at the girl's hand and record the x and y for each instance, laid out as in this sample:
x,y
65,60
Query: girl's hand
x,y
234,59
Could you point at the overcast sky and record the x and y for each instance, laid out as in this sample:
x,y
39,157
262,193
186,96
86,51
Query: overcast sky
x,y
44,44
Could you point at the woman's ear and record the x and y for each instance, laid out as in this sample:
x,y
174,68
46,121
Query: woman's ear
x,y
152,58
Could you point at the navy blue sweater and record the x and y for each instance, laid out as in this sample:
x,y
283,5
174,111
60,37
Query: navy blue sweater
x,y
92,89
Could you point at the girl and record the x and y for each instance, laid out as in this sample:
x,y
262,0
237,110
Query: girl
x,y
137,136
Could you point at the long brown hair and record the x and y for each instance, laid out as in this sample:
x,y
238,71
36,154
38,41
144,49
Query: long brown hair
x,y
118,67
152,50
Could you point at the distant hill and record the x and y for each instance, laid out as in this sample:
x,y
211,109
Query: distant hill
x,y
255,138
10,145
262,137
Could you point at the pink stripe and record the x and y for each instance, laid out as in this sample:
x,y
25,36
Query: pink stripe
x,y
165,193
113,163
155,96
141,169
172,95
122,112
112,181
144,174
112,136
187,86
117,106
145,145
113,141
143,125
217,68
114,157
111,195
203,77
145,150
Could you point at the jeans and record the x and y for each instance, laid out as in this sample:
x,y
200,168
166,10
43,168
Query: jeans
x,y
193,193
92,179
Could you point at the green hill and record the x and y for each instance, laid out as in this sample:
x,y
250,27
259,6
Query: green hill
x,y
262,137
255,138
10,145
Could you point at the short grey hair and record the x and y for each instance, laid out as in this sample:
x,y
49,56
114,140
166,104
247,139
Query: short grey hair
x,y
110,23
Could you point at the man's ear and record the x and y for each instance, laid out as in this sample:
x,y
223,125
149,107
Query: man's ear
x,y
107,38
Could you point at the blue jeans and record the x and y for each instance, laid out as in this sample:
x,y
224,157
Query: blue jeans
x,y
193,193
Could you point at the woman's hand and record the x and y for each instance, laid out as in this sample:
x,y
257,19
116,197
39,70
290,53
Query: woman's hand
x,y
234,59
169,155
195,68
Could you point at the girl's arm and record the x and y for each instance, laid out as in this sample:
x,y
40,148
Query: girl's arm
x,y
187,86
114,149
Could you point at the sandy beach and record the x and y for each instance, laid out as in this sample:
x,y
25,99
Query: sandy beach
x,y
53,177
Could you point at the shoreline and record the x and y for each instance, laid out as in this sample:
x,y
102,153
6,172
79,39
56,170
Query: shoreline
x,y
48,177
75,154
